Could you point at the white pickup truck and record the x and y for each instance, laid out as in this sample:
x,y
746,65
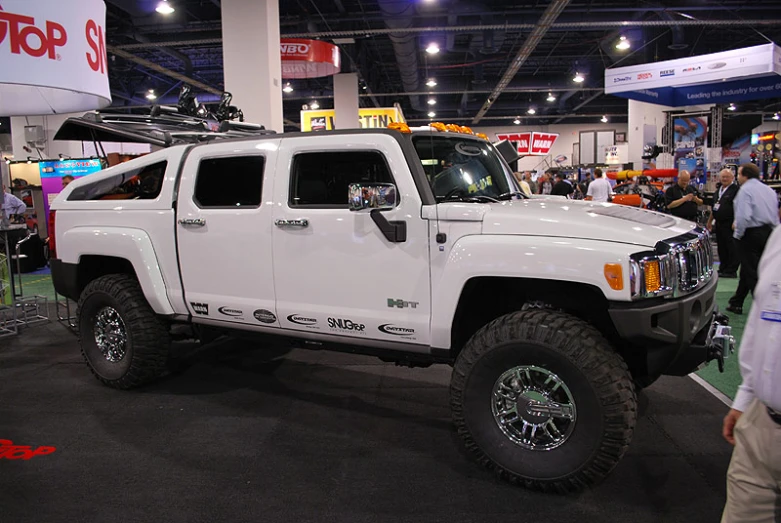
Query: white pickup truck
x,y
412,245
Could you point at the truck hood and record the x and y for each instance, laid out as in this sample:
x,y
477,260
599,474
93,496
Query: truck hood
x,y
584,220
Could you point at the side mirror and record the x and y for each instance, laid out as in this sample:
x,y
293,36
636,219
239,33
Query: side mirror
x,y
379,197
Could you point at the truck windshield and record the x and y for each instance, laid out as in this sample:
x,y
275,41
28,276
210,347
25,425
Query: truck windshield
x,y
461,168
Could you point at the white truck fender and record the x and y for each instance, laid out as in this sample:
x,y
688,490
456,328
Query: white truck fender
x,y
518,256
133,245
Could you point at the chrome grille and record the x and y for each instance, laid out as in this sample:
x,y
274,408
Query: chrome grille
x,y
694,255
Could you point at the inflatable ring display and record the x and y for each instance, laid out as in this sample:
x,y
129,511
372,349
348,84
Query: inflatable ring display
x,y
623,175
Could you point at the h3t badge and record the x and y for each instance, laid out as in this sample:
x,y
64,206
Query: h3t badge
x,y
402,304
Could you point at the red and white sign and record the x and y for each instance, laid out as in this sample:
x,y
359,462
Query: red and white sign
x,y
52,57
309,58
531,144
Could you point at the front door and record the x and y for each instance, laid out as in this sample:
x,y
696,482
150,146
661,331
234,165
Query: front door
x,y
335,271
224,232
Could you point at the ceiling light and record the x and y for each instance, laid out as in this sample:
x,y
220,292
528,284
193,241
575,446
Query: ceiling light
x,y
288,88
364,87
531,110
432,48
578,78
623,44
431,114
431,82
7,161
517,121
731,107
777,116
314,105
29,159
551,98
150,95
164,8
603,119
432,101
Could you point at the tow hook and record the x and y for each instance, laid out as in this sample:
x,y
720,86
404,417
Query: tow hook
x,y
720,342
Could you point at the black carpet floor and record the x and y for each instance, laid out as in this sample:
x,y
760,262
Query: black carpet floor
x,y
327,437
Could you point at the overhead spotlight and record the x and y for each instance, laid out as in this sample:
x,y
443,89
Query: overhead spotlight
x,y
579,78
551,98
623,44
531,110
775,117
431,114
364,87
7,161
288,88
603,119
432,101
731,107
431,82
314,105
164,8
432,48
517,121
29,159
150,95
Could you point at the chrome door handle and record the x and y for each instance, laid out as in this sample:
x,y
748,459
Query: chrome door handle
x,y
300,222
200,222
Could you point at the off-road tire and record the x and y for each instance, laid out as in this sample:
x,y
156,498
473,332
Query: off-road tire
x,y
148,340
598,378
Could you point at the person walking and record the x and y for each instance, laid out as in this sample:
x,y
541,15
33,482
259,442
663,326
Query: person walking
x,y
522,184
600,189
527,177
756,215
682,199
720,221
753,424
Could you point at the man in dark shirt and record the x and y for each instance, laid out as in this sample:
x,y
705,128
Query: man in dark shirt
x,y
561,187
720,221
682,199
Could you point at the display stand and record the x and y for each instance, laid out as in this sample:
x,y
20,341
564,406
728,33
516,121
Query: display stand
x,y
20,309
65,314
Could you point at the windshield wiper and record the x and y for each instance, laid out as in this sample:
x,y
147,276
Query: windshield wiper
x,y
477,198
509,195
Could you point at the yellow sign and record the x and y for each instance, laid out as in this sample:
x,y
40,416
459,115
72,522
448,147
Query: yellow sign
x,y
369,118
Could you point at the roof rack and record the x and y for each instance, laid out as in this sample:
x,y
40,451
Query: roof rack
x,y
163,126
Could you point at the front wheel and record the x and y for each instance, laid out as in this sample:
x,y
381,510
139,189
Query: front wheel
x,y
541,398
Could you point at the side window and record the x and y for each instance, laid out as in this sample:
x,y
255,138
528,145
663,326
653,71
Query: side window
x,y
143,183
233,181
322,179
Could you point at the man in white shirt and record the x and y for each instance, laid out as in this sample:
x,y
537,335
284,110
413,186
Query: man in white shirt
x,y
11,205
753,424
599,190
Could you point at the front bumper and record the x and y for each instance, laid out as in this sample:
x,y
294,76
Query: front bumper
x,y
671,336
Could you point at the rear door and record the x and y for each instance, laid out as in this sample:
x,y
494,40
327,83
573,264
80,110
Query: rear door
x,y
224,232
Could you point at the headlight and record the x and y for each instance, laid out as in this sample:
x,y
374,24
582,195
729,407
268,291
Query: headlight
x,y
651,275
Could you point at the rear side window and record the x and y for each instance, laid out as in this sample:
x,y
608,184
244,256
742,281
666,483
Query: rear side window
x,y
322,179
143,183
234,181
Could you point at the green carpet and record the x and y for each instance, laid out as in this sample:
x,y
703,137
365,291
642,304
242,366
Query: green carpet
x,y
728,381
37,285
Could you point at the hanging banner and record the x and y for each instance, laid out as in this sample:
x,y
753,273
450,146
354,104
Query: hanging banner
x,y
738,151
690,141
530,143
369,118
309,58
53,56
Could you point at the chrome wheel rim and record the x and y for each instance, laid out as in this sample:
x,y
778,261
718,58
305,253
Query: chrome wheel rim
x,y
533,407
110,334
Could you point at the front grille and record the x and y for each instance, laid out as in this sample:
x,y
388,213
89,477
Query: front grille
x,y
693,255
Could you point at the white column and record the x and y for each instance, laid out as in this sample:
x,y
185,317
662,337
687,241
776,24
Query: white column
x,y
642,115
346,101
252,60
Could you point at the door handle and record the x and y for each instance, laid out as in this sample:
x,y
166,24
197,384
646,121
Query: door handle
x,y
199,222
300,222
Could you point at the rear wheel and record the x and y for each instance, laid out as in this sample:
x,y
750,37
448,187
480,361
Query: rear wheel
x,y
541,398
122,340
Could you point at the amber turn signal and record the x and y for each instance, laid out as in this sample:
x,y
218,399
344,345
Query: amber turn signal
x,y
653,276
614,274
399,126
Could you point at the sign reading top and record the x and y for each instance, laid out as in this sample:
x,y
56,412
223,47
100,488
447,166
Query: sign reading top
x,y
531,143
53,57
